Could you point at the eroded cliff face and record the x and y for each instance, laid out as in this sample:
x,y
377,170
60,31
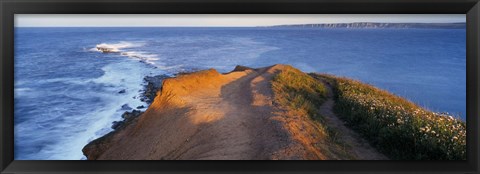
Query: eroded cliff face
x,y
205,115
232,116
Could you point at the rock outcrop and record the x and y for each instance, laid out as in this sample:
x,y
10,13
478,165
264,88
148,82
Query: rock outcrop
x,y
154,83
205,115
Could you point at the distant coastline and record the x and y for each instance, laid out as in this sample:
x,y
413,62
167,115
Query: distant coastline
x,y
460,25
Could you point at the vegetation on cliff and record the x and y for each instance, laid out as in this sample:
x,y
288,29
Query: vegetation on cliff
x,y
301,96
298,91
280,112
396,126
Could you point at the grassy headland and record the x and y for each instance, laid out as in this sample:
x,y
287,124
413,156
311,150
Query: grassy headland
x,y
395,126
301,96
298,91
279,112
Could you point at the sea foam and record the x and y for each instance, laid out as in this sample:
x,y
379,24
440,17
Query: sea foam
x,y
117,47
125,49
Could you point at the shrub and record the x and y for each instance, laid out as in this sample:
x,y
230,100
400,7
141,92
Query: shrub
x,y
395,126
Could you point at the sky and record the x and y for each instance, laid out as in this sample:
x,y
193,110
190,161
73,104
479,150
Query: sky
x,y
218,20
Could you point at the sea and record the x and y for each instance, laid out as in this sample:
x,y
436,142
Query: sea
x,y
67,93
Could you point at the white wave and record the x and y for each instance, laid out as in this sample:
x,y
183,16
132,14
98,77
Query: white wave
x,y
22,89
120,48
142,56
75,132
122,75
71,80
116,47
21,92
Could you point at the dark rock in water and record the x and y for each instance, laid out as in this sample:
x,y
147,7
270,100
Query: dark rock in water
x,y
154,83
106,49
241,68
126,107
131,115
149,93
117,124
140,107
122,91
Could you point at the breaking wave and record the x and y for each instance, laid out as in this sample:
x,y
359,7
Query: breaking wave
x,y
116,47
124,49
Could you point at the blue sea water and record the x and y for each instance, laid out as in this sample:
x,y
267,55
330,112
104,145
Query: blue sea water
x,y
67,93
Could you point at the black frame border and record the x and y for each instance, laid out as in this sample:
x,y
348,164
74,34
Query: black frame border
x,y
10,7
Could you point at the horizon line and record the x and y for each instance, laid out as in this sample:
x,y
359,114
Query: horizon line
x,y
194,26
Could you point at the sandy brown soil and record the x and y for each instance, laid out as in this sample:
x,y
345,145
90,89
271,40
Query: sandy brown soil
x,y
208,115
205,115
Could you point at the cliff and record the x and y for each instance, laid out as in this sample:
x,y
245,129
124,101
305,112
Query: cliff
x,y
275,112
380,25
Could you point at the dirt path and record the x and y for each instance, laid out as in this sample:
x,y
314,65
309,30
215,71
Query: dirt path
x,y
234,121
205,115
359,146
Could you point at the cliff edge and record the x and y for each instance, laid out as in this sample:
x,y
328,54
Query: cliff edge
x,y
279,112
208,115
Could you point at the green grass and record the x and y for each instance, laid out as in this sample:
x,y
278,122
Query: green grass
x,y
302,96
395,126
298,91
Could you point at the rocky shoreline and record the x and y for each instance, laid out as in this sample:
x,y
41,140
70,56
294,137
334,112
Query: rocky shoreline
x,y
209,115
154,84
